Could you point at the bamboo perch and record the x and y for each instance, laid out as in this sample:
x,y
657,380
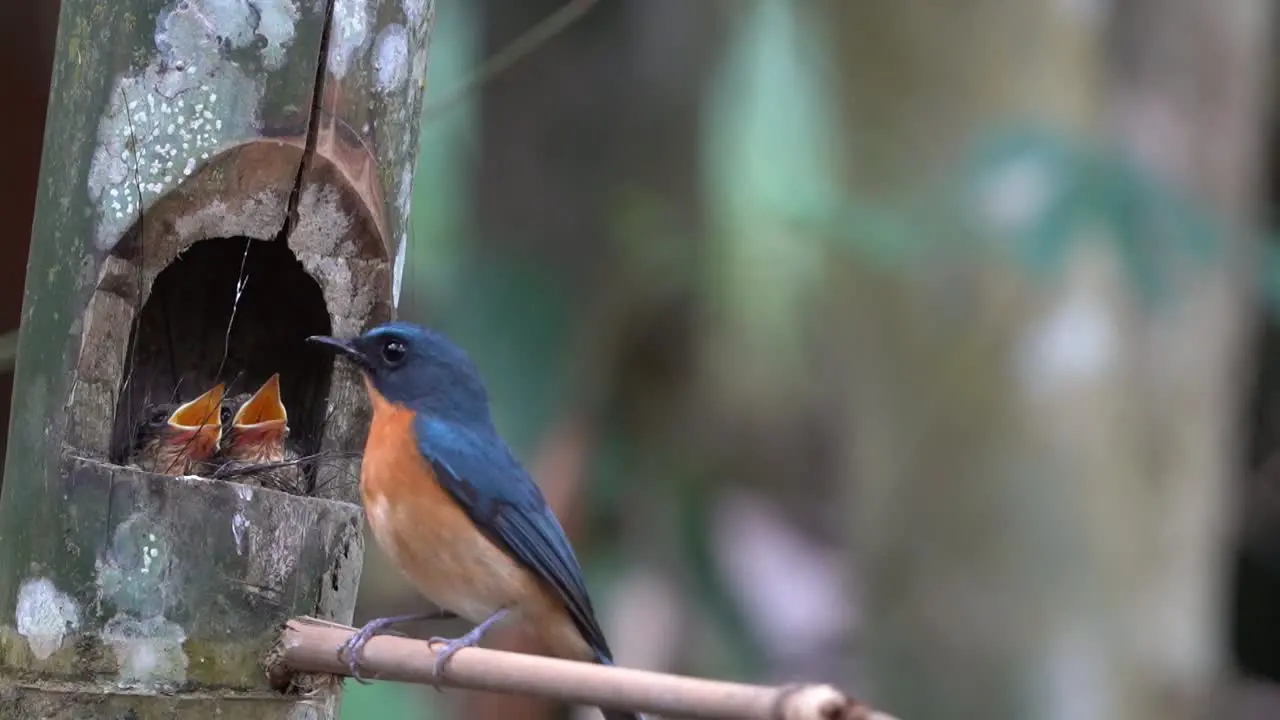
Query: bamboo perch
x,y
309,645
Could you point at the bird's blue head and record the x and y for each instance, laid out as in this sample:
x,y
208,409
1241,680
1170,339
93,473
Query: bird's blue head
x,y
419,368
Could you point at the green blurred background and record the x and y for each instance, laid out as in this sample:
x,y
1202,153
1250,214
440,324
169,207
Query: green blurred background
x,y
994,264
604,227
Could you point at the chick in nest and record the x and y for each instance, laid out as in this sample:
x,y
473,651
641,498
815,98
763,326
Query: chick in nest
x,y
255,445
179,440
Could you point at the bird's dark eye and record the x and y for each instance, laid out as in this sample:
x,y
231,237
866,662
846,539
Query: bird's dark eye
x,y
393,352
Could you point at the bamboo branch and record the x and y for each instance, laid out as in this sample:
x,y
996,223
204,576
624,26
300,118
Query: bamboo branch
x,y
309,645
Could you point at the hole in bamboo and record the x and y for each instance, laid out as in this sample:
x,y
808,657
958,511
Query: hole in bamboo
x,y
156,325
230,310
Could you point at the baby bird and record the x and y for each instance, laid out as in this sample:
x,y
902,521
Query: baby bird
x,y
179,441
255,443
258,428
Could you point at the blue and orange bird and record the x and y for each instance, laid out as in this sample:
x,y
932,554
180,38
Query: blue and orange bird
x,y
454,509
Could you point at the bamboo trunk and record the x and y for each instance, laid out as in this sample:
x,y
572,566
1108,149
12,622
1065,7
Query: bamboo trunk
x,y
219,180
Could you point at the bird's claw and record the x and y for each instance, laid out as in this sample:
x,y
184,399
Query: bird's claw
x,y
451,646
354,644
352,647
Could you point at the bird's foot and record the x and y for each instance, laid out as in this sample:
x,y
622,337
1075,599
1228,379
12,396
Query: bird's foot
x,y
355,644
471,639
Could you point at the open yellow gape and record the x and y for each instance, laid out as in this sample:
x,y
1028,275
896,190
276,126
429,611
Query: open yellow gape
x,y
264,410
205,412
259,427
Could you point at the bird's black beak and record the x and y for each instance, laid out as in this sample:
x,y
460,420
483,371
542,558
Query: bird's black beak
x,y
343,347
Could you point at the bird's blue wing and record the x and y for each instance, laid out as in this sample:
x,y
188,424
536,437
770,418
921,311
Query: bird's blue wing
x,y
478,470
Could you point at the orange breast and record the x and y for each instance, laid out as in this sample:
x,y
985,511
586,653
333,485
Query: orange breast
x,y
432,541
425,532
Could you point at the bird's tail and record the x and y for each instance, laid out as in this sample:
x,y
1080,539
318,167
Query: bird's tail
x,y
604,659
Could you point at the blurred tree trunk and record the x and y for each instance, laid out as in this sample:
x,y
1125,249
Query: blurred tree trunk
x,y
1187,96
1040,458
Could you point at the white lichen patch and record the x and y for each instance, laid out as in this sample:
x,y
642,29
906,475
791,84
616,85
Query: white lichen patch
x,y
163,121
404,199
322,221
45,616
132,571
238,525
148,652
420,14
416,12
335,278
397,274
350,34
239,521
391,58
263,211
404,194
276,24
400,65
418,74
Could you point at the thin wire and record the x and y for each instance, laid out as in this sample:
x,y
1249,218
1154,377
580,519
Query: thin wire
x,y
241,281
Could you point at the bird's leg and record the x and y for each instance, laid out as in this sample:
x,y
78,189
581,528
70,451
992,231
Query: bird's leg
x,y
472,638
354,644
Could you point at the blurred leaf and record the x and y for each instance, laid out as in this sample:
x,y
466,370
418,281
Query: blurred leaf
x,y
1046,193
1036,195
770,146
